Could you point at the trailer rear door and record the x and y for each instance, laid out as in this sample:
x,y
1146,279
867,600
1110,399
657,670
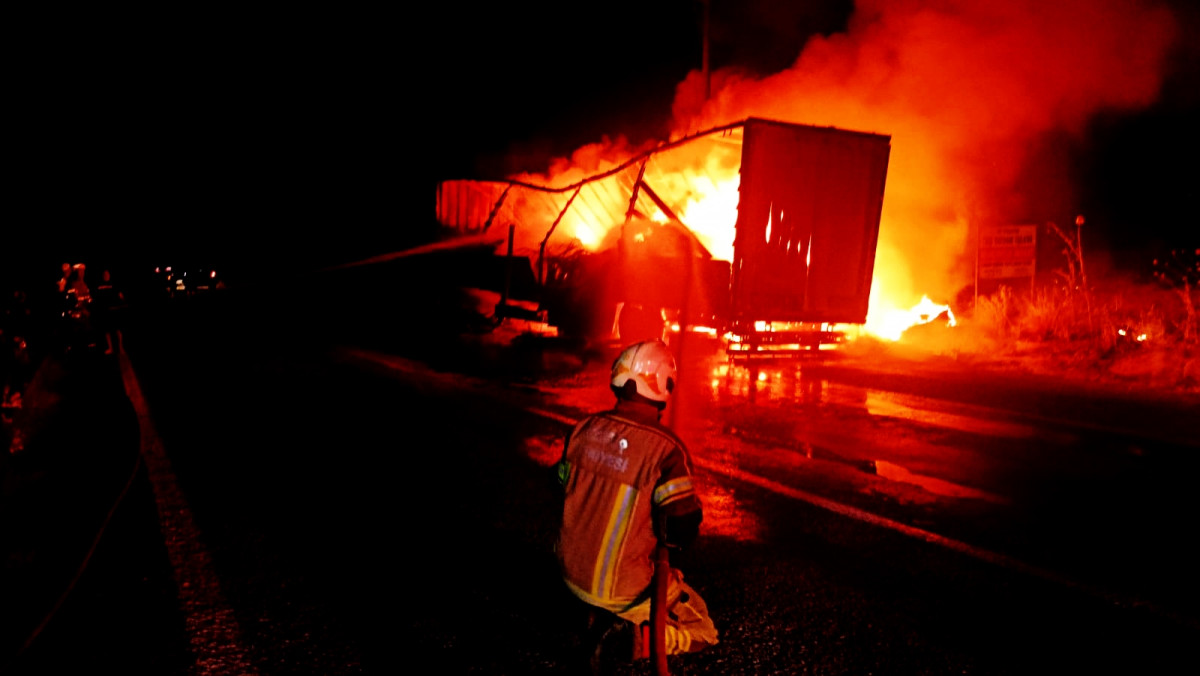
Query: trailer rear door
x,y
808,223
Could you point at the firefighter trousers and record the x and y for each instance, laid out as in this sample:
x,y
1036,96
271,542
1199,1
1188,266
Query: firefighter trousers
x,y
689,629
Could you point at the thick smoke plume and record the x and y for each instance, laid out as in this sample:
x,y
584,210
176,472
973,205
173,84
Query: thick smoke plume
x,y
971,93
967,90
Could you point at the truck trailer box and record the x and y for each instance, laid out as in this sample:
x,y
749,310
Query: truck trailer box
x,y
804,236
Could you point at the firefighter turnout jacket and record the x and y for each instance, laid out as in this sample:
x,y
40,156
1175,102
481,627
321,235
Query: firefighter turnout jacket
x,y
628,481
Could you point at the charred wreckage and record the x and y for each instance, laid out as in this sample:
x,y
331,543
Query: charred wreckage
x,y
638,250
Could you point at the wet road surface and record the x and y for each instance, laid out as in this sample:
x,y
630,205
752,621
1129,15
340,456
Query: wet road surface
x,y
320,506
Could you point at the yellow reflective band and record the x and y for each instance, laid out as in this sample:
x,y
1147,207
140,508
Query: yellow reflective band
x,y
617,527
616,606
673,490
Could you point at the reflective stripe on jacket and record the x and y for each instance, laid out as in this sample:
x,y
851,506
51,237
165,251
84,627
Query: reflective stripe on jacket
x,y
619,469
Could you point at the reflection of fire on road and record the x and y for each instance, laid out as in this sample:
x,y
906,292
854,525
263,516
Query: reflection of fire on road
x,y
894,472
726,515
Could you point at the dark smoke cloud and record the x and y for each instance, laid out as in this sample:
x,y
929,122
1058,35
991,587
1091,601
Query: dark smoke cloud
x,y
968,91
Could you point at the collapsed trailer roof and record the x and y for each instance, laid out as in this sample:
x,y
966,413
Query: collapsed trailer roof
x,y
657,183
652,184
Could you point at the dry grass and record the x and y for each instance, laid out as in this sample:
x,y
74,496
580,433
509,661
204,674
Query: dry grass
x,y
1144,335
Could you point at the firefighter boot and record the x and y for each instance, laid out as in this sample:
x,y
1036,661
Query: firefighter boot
x,y
609,642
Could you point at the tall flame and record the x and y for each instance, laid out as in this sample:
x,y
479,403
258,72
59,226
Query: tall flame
x,y
965,88
710,213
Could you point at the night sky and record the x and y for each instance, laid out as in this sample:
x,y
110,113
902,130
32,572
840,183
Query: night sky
x,y
248,137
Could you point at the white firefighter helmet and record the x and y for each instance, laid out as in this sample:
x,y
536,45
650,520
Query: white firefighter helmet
x,y
651,367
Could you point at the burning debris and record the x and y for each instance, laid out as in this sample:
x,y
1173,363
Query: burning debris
x,y
966,92
807,222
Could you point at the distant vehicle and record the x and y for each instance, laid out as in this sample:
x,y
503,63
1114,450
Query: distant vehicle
x,y
184,282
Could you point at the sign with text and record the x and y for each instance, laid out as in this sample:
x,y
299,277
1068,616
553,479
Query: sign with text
x,y
1007,251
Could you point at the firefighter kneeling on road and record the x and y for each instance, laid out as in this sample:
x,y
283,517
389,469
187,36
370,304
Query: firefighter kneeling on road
x,y
628,484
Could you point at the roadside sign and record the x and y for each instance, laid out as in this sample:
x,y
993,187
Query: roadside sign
x,y
1007,251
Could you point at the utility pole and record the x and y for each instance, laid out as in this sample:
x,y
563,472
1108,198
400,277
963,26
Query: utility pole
x,y
1087,294
704,50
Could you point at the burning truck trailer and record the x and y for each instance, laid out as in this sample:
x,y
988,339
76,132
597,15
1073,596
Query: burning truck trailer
x,y
761,233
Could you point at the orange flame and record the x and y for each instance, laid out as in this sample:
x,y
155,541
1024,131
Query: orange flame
x,y
891,323
964,89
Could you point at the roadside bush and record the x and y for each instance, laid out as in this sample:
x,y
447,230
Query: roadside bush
x,y
1140,329
996,315
1135,331
1126,319
1119,310
1040,317
1179,271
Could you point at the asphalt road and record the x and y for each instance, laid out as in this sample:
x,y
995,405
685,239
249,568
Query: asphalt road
x,y
253,494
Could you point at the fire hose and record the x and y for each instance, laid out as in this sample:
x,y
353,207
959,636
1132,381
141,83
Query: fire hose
x,y
658,609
